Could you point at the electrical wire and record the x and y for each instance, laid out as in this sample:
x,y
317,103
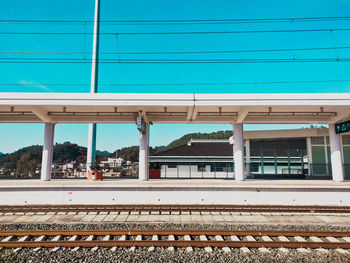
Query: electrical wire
x,y
183,21
181,52
185,84
182,32
173,61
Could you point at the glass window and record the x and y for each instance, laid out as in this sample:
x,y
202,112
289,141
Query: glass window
x,y
346,139
268,148
317,140
172,166
202,168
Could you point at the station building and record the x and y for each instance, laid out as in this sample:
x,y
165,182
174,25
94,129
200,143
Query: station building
x,y
271,154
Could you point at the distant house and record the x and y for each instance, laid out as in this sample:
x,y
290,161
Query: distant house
x,y
112,162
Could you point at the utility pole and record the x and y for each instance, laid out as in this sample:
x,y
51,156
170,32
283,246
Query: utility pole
x,y
91,151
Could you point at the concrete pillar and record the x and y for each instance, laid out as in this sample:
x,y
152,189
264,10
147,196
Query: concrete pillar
x,y
46,162
336,157
91,150
309,155
238,151
143,154
247,157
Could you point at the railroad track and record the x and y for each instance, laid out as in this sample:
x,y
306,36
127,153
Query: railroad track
x,y
174,208
226,240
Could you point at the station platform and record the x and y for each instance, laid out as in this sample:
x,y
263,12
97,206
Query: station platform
x,y
176,217
174,191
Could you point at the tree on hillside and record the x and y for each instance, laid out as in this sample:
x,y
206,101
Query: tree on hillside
x,y
26,165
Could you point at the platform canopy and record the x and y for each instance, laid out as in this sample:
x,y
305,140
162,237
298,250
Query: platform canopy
x,y
174,108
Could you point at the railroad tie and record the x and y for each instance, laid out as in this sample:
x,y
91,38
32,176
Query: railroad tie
x,y
105,238
266,239
74,238
333,239
234,238
138,238
6,239
56,238
154,238
301,249
242,249
317,239
339,250
39,239
22,239
283,239
171,238
188,238
346,239
122,238
204,238
220,238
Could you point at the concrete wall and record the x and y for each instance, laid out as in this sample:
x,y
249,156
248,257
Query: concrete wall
x,y
176,194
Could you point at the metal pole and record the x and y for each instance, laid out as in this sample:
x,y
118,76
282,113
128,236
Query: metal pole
x,y
91,151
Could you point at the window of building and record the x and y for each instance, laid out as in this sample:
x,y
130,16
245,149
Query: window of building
x,y
172,166
218,167
346,139
317,140
202,168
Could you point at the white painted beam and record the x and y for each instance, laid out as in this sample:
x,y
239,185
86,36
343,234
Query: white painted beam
x,y
345,115
42,114
194,114
189,113
242,115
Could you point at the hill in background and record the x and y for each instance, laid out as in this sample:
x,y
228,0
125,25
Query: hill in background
x,y
132,153
68,152
63,153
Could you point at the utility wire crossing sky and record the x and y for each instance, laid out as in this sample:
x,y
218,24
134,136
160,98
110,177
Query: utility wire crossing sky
x,y
164,46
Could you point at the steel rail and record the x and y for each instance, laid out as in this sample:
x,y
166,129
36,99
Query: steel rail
x,y
150,232
174,243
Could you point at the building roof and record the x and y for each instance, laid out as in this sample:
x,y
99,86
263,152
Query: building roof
x,y
198,148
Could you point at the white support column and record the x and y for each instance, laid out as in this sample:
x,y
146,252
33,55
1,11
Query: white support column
x,y
247,157
309,154
336,157
143,154
238,151
47,152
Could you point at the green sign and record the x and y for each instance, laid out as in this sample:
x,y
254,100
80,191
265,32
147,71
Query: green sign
x,y
342,127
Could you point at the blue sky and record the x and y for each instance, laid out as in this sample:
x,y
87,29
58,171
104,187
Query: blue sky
x,y
36,77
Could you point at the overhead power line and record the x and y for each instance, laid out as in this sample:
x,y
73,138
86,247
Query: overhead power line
x,y
182,32
183,21
178,52
173,61
182,84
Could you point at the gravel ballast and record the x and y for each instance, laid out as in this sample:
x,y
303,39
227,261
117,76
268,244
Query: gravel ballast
x,y
162,254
